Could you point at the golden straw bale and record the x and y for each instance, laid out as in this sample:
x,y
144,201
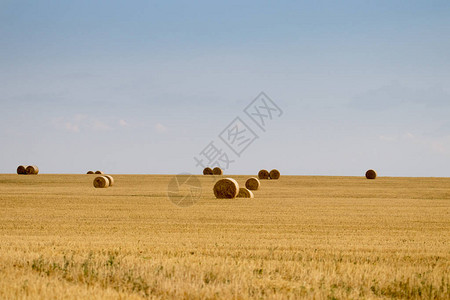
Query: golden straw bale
x,y
245,193
263,174
32,170
101,182
252,183
226,188
21,170
207,171
111,180
371,174
217,171
274,174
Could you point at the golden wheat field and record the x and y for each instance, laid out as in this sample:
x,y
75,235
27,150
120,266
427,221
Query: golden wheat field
x,y
300,237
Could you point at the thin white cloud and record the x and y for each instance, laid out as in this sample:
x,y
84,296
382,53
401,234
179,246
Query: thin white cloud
x,y
160,128
439,147
123,123
99,126
395,95
80,117
71,127
409,135
79,123
436,145
387,138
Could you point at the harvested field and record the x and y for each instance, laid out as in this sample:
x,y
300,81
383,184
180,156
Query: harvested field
x,y
323,237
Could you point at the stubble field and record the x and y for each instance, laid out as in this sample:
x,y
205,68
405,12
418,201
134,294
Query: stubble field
x,y
301,236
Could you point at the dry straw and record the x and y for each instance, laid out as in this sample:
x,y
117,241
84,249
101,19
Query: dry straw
x,y
274,174
21,170
226,188
90,172
245,193
371,174
111,180
99,172
263,174
217,171
252,183
32,170
207,171
101,182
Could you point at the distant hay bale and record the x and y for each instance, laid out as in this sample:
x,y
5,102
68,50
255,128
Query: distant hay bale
x,y
371,174
90,172
21,170
252,183
207,171
101,182
226,188
263,174
245,193
111,180
274,174
99,172
32,170
217,171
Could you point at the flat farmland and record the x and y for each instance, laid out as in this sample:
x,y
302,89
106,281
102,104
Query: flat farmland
x,y
301,236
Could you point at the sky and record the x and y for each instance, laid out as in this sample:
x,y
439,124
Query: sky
x,y
144,87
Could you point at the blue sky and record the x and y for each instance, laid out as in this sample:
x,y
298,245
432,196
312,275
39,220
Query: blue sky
x,y
144,86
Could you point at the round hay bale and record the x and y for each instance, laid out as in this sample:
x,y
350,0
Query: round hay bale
x,y
263,174
252,183
274,174
99,172
90,172
226,188
371,174
245,193
207,171
111,180
101,182
21,170
32,170
217,171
